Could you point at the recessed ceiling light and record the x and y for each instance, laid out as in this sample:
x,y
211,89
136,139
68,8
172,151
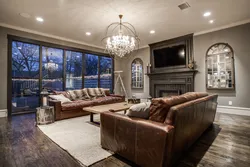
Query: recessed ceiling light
x,y
152,31
206,14
25,15
88,33
39,19
211,21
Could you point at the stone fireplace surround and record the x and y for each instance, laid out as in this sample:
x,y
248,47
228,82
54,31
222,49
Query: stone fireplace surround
x,y
173,83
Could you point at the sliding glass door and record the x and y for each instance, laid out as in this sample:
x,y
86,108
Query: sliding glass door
x,y
91,71
25,77
53,67
73,70
106,77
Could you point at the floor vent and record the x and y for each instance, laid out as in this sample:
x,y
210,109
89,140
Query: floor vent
x,y
184,6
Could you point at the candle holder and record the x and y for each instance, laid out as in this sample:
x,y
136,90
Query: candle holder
x,y
44,95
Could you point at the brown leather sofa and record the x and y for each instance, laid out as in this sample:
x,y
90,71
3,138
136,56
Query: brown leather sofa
x,y
158,142
74,108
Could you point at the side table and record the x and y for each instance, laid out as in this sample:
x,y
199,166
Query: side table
x,y
45,115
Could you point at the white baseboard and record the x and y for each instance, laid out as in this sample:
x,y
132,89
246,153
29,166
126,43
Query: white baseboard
x,y
3,113
234,110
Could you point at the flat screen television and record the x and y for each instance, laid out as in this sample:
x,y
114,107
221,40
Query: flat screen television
x,y
170,56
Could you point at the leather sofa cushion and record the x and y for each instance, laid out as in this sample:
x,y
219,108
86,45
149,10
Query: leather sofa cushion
x,y
78,104
159,107
107,100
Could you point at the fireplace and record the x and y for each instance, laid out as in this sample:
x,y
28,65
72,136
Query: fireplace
x,y
172,83
166,93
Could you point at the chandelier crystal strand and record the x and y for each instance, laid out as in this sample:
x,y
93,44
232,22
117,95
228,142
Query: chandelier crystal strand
x,y
121,44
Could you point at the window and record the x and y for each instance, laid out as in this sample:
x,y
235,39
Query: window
x,y
52,68
36,66
137,73
73,70
220,67
106,73
91,73
25,76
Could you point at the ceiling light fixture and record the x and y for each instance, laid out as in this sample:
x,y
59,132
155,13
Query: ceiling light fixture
x,y
206,14
88,33
211,21
152,31
121,39
39,19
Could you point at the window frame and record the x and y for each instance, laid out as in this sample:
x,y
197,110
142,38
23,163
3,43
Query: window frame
x,y
41,44
142,75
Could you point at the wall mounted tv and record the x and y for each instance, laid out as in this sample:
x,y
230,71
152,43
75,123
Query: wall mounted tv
x,y
170,56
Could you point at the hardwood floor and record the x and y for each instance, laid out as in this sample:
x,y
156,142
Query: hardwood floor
x,y
227,143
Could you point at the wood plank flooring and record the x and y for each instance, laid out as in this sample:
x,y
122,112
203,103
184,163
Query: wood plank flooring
x,y
22,144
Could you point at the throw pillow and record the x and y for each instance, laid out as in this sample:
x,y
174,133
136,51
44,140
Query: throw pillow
x,y
85,95
60,98
63,93
72,95
140,110
95,92
106,92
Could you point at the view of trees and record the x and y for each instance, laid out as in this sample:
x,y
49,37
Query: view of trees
x,y
25,60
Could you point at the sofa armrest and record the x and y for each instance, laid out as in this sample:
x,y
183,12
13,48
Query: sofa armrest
x,y
57,108
145,142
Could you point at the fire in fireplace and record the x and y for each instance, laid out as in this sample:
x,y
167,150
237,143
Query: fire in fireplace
x,y
166,93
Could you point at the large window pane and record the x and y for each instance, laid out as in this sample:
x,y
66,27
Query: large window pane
x,y
106,72
25,76
52,68
73,70
91,74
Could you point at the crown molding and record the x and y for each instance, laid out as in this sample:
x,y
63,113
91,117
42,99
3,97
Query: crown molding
x,y
223,27
48,35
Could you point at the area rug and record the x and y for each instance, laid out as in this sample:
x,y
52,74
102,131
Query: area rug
x,y
79,138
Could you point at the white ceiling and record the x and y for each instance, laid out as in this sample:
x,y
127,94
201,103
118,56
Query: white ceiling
x,y
73,18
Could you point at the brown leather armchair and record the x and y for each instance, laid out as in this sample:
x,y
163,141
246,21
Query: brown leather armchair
x,y
155,144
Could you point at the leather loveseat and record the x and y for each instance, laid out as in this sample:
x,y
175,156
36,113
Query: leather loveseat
x,y
174,124
74,108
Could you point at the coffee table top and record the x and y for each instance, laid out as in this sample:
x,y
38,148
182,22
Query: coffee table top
x,y
106,107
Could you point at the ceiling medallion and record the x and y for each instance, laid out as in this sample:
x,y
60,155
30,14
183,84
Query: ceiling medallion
x,y
121,39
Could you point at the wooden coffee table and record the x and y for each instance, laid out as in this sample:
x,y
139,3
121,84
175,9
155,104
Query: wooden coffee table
x,y
115,107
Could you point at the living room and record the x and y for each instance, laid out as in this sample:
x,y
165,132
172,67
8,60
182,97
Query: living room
x,y
124,83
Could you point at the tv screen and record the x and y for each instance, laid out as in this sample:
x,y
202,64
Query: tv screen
x,y
170,56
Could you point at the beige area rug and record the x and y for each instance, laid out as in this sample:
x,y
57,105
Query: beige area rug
x,y
78,137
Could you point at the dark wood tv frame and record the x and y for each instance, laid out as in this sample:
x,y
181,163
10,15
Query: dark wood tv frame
x,y
183,40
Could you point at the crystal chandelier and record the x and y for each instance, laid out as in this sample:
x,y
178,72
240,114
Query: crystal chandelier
x,y
51,66
121,39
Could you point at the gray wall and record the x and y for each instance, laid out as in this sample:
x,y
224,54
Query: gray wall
x,y
3,55
237,37
125,63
